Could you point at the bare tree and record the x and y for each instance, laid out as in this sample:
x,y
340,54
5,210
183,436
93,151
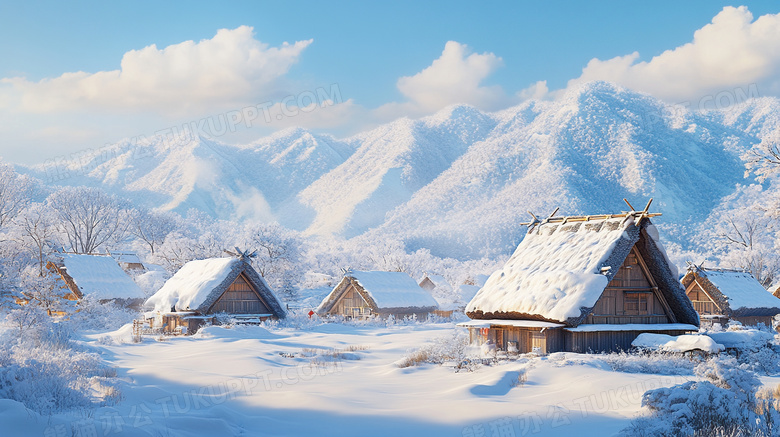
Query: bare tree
x,y
88,218
16,193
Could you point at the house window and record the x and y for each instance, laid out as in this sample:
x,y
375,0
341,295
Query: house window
x,y
636,304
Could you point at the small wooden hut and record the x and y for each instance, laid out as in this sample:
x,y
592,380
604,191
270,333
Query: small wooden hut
x,y
720,295
97,276
360,295
202,289
582,284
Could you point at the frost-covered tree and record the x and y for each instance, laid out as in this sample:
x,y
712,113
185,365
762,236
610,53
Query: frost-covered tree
x,y
763,159
88,218
45,292
152,227
36,230
741,233
277,249
16,191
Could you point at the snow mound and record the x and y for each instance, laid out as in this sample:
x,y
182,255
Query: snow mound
x,y
682,343
743,339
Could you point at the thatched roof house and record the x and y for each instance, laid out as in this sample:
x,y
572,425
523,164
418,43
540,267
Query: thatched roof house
x,y
97,276
720,295
204,288
590,283
360,295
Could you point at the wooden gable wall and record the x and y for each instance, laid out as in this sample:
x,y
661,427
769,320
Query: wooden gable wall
x,y
701,300
632,296
351,304
240,298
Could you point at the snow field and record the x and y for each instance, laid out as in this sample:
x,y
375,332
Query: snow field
x,y
258,381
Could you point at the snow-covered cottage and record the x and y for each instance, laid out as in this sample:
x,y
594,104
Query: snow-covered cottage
x,y
202,289
720,295
360,295
442,292
129,261
96,276
580,284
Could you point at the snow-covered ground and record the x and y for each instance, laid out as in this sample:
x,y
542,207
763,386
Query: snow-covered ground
x,y
283,382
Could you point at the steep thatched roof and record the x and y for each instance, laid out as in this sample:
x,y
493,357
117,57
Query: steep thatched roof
x,y
561,268
199,284
384,292
737,293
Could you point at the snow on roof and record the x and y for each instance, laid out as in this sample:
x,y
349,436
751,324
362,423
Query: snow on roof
x,y
99,276
467,292
480,323
393,290
555,270
192,284
741,289
439,281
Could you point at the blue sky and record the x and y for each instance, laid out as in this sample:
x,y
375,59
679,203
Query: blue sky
x,y
366,48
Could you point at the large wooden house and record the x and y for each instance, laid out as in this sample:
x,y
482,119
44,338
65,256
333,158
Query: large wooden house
x,y
582,284
361,295
720,295
96,276
202,289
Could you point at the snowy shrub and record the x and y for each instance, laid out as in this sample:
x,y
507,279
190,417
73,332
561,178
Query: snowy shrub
x,y
453,349
41,370
659,363
90,314
724,403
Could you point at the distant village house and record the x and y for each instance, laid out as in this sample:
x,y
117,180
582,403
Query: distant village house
x,y
361,295
202,289
96,276
129,261
720,295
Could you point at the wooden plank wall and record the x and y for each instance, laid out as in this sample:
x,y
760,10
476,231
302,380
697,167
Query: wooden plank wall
x,y
502,336
605,341
349,300
239,298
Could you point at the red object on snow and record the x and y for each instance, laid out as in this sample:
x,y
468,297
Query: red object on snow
x,y
311,313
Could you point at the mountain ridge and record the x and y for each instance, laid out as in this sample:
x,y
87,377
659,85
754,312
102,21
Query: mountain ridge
x,y
458,182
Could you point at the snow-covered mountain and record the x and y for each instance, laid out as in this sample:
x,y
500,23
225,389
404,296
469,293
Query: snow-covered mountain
x,y
460,181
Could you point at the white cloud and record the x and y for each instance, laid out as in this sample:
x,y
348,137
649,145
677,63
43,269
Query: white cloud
x,y
231,68
536,91
732,51
455,77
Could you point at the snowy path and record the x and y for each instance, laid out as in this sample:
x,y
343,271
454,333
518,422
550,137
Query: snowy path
x,y
237,382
